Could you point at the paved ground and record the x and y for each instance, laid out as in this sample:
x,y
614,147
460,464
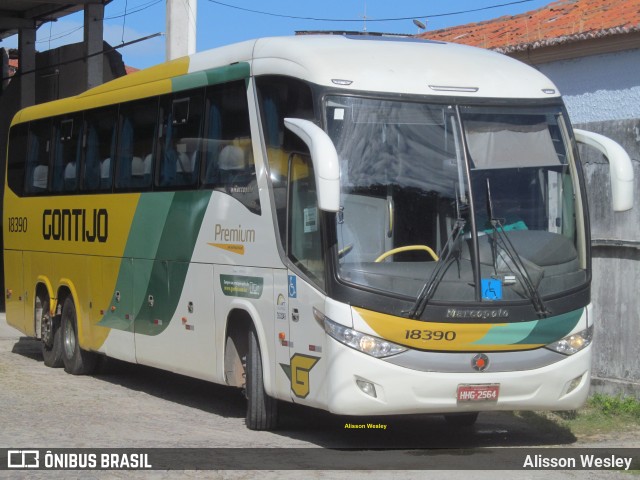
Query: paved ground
x,y
130,406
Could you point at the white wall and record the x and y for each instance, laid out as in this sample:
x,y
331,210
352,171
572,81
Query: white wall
x,y
602,94
599,88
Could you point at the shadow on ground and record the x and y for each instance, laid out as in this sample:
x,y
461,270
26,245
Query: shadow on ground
x,y
493,429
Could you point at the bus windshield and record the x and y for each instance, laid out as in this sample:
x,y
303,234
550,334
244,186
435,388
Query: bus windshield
x,y
455,203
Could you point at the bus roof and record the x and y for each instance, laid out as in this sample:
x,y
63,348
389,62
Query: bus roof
x,y
403,65
361,63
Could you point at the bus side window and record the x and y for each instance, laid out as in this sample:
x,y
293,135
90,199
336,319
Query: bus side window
x,y
67,153
91,174
229,166
38,156
136,145
213,144
304,242
282,97
18,147
181,140
100,148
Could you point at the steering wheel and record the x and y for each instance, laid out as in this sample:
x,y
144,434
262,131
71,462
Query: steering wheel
x,y
407,248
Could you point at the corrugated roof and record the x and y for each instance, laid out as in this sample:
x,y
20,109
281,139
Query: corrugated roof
x,y
559,22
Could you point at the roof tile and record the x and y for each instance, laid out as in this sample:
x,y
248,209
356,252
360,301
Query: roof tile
x,y
563,19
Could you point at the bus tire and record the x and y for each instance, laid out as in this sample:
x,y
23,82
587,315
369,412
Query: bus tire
x,y
76,360
262,410
52,355
461,419
51,335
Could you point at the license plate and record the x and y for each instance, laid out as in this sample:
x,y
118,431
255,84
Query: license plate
x,y
479,393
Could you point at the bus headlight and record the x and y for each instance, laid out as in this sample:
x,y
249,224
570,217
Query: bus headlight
x,y
374,346
573,343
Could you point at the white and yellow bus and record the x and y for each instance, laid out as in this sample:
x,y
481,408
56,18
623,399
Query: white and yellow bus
x,y
365,225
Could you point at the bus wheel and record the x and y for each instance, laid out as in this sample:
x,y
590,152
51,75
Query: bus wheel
x,y
50,332
76,360
461,419
262,410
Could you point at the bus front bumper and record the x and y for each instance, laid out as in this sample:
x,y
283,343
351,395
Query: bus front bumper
x,y
359,384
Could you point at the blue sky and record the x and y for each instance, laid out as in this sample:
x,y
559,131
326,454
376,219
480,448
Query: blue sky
x,y
219,23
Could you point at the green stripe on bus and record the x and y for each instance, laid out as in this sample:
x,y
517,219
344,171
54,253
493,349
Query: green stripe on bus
x,y
148,224
535,332
189,81
229,73
507,334
142,245
554,328
156,307
213,76
156,259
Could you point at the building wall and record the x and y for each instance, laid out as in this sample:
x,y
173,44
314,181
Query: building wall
x,y
616,266
602,94
599,87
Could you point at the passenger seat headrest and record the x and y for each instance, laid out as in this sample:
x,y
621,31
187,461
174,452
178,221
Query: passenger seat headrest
x,y
231,158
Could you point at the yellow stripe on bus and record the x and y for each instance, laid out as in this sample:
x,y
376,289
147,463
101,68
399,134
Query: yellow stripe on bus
x,y
146,83
450,337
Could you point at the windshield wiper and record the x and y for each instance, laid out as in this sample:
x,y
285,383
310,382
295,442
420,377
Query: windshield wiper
x,y
516,260
442,265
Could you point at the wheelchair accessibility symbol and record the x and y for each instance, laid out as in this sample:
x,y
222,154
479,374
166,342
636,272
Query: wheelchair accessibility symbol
x,y
491,289
293,292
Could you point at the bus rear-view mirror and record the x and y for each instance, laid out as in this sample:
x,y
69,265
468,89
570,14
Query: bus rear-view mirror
x,y
325,161
620,167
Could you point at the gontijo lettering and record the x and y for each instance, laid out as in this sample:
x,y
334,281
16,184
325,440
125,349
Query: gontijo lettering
x,y
75,225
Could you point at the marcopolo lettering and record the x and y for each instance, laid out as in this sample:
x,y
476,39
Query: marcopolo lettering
x,y
484,314
76,225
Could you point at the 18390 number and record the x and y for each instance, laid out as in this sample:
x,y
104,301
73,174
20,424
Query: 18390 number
x,y
18,224
436,335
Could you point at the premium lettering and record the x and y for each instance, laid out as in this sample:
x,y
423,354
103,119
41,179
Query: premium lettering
x,y
76,225
244,235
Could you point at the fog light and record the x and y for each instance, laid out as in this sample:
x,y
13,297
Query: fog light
x,y
573,384
367,387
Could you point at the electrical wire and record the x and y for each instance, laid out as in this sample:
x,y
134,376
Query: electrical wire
x,y
143,6
50,29
124,18
138,8
271,14
60,35
84,57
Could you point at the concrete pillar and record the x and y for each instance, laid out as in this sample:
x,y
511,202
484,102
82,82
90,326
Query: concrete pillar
x,y
27,62
181,28
93,31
